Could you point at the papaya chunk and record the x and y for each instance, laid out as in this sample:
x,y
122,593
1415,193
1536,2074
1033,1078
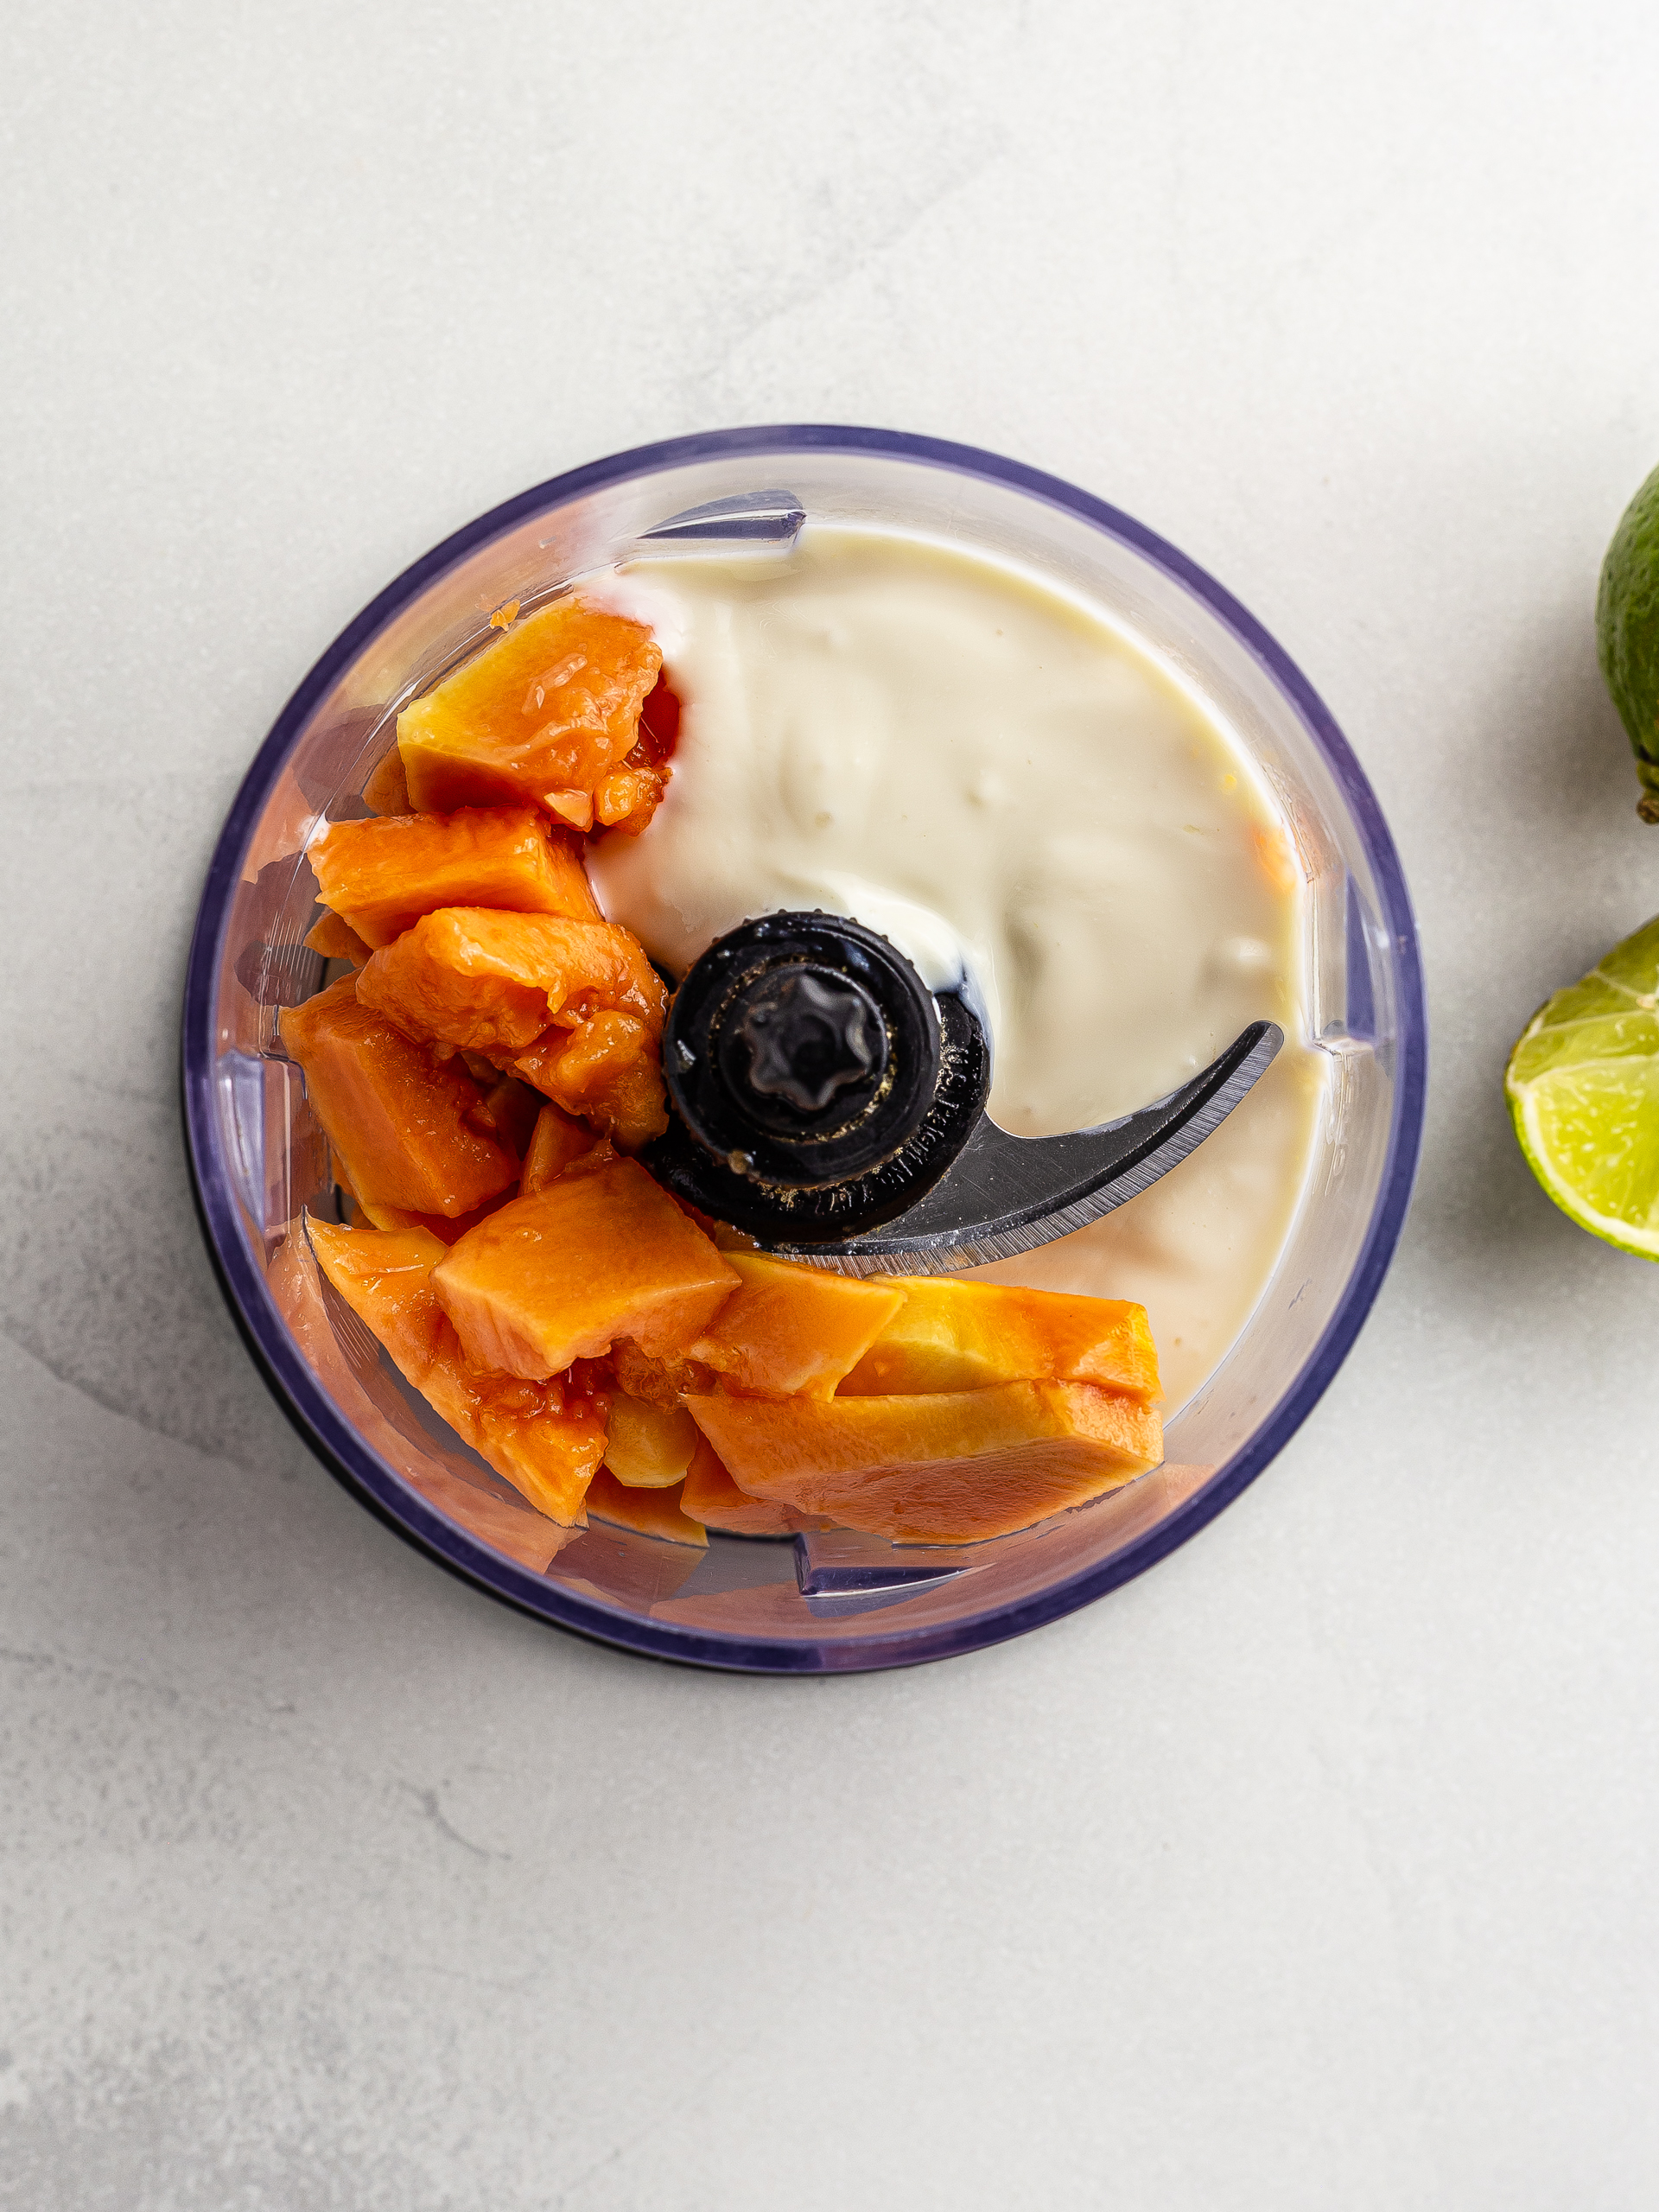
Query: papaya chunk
x,y
473,979
398,1118
551,707
555,1142
607,1071
790,1328
628,799
951,1468
337,940
547,1439
712,1497
647,1446
381,876
387,789
508,1111
950,1335
602,1253
648,1512
446,1232
665,1383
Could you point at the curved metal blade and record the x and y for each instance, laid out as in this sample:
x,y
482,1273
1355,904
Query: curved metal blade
x,y
1003,1195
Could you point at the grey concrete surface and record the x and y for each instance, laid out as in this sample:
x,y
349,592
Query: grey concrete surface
x,y
1316,1868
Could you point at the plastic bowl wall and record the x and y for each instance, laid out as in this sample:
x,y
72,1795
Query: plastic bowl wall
x,y
839,1601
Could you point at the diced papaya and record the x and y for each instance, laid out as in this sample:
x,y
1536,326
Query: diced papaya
x,y
336,939
647,1446
710,1495
951,1335
546,1437
398,1118
790,1328
508,1112
575,809
387,789
665,1383
628,799
602,1253
648,1512
474,980
551,707
606,1069
381,876
951,1468
555,1142
446,1232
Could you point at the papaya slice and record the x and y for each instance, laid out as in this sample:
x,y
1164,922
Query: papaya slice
x,y
665,1383
950,1335
790,1328
381,876
608,1070
555,1142
547,711
648,1512
470,979
387,789
647,1446
712,1497
337,940
547,1439
949,1468
446,1232
628,799
508,1111
399,1119
603,1252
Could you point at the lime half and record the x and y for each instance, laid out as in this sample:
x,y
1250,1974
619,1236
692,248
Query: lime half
x,y
1583,1087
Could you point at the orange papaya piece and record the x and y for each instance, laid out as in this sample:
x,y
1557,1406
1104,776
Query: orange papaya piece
x,y
381,876
546,711
602,1253
665,1383
399,1119
547,1439
951,1335
337,940
471,979
949,1468
508,1112
608,1070
628,799
790,1328
710,1496
648,1512
387,789
446,1232
647,1446
555,1142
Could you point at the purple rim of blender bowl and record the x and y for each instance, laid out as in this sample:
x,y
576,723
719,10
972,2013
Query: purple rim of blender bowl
x,y
349,1457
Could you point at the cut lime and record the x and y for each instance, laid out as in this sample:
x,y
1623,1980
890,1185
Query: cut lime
x,y
1583,1087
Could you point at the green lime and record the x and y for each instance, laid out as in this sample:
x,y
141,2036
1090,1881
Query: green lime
x,y
1583,1087
1627,634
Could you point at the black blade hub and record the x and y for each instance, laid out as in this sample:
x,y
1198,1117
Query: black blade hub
x,y
819,1086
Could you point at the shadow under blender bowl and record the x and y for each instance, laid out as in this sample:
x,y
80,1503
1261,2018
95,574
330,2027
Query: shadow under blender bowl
x,y
838,1602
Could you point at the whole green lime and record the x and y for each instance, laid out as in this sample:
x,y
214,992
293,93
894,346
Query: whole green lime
x,y
1627,634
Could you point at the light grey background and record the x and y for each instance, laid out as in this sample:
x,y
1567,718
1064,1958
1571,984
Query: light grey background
x,y
1316,1868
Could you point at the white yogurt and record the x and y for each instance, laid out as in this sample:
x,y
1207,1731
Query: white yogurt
x,y
992,776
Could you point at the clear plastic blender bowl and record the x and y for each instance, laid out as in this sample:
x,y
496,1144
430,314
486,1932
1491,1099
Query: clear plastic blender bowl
x,y
838,1600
